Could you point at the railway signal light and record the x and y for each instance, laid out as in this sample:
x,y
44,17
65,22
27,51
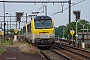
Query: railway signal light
x,y
77,14
18,16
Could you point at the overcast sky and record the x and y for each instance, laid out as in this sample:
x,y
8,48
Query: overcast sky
x,y
59,19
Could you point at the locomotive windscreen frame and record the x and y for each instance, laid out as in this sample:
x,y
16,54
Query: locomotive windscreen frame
x,y
43,22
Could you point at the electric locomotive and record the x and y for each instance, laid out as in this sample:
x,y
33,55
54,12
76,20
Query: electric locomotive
x,y
40,31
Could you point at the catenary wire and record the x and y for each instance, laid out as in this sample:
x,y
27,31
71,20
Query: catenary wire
x,y
67,7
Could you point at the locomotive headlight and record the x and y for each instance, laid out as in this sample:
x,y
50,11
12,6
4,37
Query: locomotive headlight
x,y
51,35
37,35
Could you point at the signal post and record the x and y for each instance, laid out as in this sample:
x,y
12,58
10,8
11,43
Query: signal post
x,y
77,17
2,35
15,35
72,33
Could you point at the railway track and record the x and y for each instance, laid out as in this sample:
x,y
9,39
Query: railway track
x,y
64,50
74,53
54,55
80,51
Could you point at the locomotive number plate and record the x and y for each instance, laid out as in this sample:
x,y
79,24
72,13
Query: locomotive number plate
x,y
44,36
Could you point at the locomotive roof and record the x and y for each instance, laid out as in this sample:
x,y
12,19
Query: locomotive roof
x,y
42,17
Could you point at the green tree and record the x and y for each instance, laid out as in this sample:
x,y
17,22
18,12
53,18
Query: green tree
x,y
80,23
56,30
59,31
12,31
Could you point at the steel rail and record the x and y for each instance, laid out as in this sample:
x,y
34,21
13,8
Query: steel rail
x,y
66,48
45,55
62,55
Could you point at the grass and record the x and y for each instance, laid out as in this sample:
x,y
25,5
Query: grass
x,y
7,42
88,49
3,44
1,50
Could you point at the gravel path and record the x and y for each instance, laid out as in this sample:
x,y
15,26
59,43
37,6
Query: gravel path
x,y
12,53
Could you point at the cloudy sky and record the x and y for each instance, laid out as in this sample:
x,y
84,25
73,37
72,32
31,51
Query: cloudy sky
x,y
59,19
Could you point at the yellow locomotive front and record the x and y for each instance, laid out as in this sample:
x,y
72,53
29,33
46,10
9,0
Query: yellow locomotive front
x,y
43,31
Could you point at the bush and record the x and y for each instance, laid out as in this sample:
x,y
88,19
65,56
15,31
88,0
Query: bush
x,y
7,39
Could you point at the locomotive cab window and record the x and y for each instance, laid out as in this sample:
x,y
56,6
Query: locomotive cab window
x,y
38,24
43,24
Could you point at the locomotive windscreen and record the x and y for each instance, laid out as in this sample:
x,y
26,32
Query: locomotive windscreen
x,y
43,24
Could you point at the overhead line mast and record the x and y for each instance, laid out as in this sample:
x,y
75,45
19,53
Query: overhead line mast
x,y
4,19
69,19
